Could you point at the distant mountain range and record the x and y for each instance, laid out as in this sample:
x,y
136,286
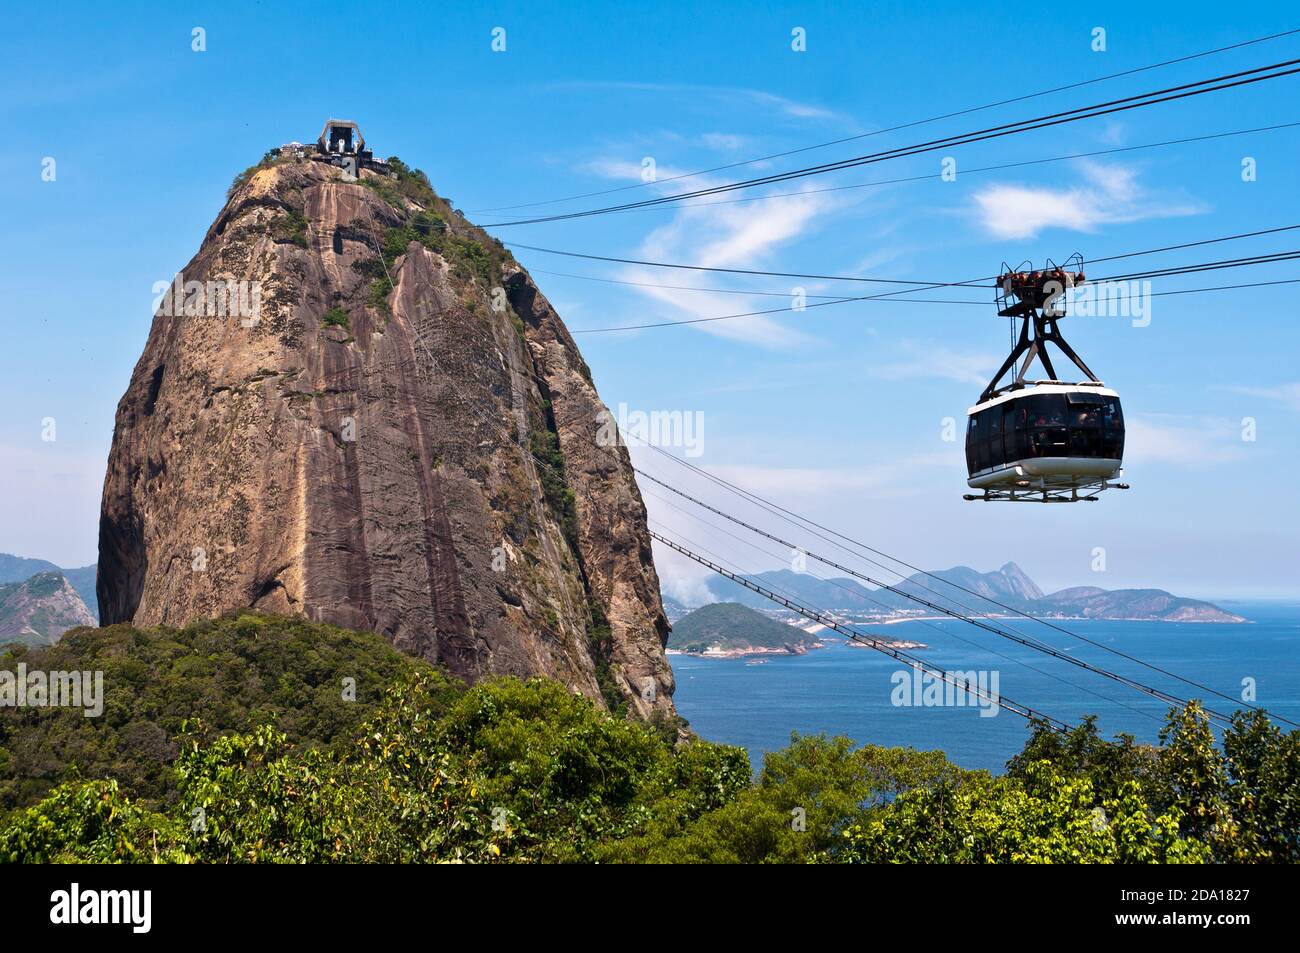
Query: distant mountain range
x,y
1009,585
21,609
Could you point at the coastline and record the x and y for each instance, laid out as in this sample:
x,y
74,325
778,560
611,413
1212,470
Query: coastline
x,y
753,650
714,652
1235,620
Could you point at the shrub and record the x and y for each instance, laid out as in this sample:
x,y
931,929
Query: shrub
x,y
290,227
336,318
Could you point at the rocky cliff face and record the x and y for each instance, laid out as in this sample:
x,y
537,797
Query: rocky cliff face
x,y
40,609
398,435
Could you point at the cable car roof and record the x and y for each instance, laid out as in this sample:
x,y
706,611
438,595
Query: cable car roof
x,y
1046,387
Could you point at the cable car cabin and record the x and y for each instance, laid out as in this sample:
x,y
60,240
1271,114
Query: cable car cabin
x,y
1052,442
1044,441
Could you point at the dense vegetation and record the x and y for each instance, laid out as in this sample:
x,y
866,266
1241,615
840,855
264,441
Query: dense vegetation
x,y
236,672
528,771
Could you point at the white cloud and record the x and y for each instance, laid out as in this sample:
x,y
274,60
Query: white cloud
x,y
1181,440
1114,133
789,106
1109,194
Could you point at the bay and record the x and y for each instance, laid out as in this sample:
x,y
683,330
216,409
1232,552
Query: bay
x,y
844,690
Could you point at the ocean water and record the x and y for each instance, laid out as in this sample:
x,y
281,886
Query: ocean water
x,y
842,690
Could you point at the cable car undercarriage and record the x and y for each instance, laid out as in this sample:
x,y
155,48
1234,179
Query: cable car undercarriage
x,y
1043,441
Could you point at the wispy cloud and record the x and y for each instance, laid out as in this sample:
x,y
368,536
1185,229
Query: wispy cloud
x,y
690,591
725,142
731,236
723,236
625,170
785,106
1109,194
1186,441
924,360
1288,395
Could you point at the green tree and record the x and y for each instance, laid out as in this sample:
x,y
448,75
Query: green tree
x,y
806,794
1193,779
88,822
1263,767
1040,817
1082,752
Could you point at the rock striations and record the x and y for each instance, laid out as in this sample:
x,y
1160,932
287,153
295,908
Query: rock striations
x,y
355,406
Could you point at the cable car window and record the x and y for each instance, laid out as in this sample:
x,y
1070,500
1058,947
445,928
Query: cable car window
x,y
1113,444
1085,442
1011,440
1112,416
996,459
1052,442
982,439
1047,410
1089,417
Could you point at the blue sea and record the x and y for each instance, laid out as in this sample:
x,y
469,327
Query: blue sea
x,y
842,690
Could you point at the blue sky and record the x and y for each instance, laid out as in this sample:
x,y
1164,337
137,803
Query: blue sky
x,y
837,412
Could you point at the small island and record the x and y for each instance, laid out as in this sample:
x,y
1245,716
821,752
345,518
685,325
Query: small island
x,y
730,630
